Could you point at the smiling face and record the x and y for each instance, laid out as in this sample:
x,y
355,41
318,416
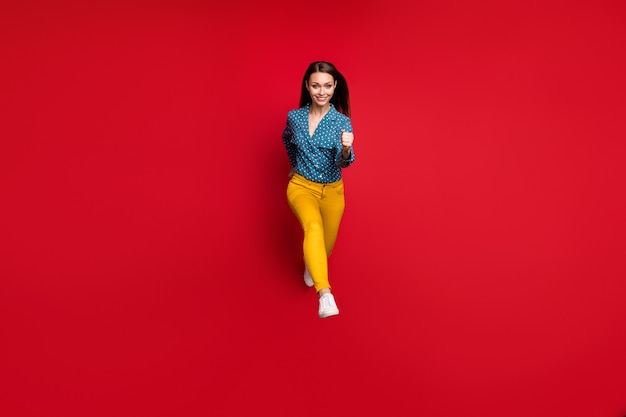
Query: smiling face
x,y
321,86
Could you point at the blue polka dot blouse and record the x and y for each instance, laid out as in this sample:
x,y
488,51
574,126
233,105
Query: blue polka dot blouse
x,y
318,157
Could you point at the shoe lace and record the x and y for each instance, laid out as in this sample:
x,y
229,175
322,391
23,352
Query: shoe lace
x,y
326,302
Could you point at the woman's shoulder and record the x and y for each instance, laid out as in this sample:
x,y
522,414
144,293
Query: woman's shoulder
x,y
298,117
298,113
337,115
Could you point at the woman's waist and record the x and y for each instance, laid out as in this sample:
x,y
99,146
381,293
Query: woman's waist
x,y
302,178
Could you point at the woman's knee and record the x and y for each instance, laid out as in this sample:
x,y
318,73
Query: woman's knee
x,y
313,226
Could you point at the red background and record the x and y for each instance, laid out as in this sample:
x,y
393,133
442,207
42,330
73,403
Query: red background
x,y
150,265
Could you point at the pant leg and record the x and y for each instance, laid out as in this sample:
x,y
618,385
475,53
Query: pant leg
x,y
304,199
332,205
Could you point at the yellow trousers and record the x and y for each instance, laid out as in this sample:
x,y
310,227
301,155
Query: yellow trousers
x,y
319,208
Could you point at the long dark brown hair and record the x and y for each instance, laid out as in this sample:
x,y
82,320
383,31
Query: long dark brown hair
x,y
341,96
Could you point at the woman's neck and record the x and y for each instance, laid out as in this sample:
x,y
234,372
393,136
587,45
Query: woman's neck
x,y
318,111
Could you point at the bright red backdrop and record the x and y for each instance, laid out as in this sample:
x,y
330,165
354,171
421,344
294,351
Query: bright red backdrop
x,y
150,265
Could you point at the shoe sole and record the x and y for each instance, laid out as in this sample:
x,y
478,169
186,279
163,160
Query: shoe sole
x,y
329,314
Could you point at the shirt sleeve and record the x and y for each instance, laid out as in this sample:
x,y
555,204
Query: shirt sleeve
x,y
289,145
345,163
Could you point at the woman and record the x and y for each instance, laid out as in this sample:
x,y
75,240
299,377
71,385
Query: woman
x,y
318,138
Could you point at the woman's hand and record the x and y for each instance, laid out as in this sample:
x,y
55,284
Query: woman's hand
x,y
291,172
346,142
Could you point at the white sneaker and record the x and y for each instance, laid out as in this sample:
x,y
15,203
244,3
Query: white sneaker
x,y
308,280
327,306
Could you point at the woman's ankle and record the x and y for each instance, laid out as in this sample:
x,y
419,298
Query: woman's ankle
x,y
323,291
